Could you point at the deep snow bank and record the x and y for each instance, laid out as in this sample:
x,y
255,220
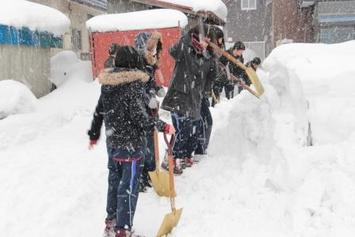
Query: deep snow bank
x,y
15,98
77,94
327,76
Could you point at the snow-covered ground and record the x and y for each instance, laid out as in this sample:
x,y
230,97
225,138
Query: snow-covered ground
x,y
258,180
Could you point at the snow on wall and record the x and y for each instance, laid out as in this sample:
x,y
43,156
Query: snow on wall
x,y
215,6
148,19
21,13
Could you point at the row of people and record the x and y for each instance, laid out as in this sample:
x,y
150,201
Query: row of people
x,y
129,109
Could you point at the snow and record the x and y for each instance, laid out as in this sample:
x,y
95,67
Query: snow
x,y
215,6
259,178
147,19
15,98
21,13
63,64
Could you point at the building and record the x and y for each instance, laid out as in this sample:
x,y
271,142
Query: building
x,y
263,24
28,32
78,11
334,21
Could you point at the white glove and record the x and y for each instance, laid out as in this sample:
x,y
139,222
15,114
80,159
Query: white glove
x,y
161,92
153,103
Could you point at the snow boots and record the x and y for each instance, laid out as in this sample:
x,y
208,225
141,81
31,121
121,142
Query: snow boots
x,y
109,228
178,166
126,233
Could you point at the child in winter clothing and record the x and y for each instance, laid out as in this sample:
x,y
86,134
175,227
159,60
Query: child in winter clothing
x,y
194,68
237,52
205,124
254,64
149,45
121,107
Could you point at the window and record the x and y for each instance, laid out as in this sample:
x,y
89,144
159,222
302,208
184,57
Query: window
x,y
248,4
336,34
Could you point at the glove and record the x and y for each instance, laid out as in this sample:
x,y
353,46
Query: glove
x,y
153,103
92,144
161,92
169,129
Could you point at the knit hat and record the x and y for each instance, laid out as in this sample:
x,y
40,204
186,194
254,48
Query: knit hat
x,y
128,57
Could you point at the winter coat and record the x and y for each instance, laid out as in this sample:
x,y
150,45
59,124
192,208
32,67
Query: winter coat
x,y
193,74
121,106
245,76
234,69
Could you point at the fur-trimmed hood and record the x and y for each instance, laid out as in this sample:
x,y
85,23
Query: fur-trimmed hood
x,y
150,44
112,78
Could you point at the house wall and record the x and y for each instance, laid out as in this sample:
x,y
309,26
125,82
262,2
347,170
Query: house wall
x,y
29,65
335,21
292,22
78,15
250,26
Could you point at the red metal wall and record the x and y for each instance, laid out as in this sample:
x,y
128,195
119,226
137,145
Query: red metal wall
x,y
101,41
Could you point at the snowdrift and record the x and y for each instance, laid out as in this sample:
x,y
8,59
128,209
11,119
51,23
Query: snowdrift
x,y
15,98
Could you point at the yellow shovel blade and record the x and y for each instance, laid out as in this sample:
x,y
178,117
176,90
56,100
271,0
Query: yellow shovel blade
x,y
255,80
170,221
160,181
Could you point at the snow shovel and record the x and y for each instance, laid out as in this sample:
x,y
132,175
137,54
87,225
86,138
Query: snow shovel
x,y
240,82
172,219
249,71
160,179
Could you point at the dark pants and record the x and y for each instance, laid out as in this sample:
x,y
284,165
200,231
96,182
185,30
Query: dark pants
x,y
229,90
217,90
149,159
185,136
205,128
123,178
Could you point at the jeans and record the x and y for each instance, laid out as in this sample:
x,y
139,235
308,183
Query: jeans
x,y
125,167
204,128
185,136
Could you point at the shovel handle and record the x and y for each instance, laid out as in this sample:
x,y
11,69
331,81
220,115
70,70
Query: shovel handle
x,y
169,143
171,168
156,147
242,83
227,55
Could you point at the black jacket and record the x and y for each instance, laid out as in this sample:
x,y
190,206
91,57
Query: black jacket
x,y
193,75
121,106
245,76
234,69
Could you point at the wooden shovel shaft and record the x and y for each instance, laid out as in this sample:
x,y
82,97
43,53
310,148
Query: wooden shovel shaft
x,y
171,171
227,55
156,148
242,83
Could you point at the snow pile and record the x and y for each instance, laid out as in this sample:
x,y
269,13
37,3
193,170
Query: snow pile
x,y
148,19
21,13
76,95
215,6
15,98
328,84
62,65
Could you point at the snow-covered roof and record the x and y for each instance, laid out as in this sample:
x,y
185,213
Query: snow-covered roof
x,y
21,13
215,6
148,19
